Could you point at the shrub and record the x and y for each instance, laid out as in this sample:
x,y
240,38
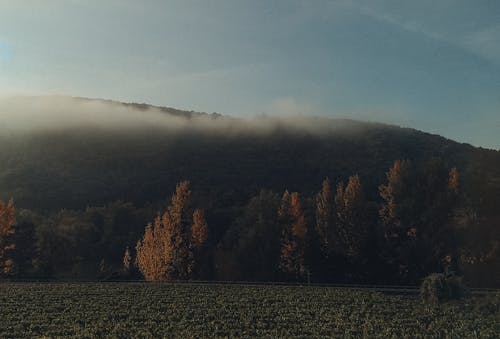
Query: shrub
x,y
439,287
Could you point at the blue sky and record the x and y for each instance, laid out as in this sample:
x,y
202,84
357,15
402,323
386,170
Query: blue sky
x,y
431,65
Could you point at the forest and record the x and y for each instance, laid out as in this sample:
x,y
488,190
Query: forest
x,y
337,201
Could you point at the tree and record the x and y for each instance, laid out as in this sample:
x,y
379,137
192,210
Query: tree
x,y
325,218
293,240
351,218
127,261
150,258
199,230
419,203
199,236
7,232
250,249
169,249
25,240
395,195
453,180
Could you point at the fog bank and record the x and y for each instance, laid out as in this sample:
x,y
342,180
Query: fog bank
x,y
46,113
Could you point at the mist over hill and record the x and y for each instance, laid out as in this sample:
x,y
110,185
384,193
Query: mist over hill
x,y
96,172
71,152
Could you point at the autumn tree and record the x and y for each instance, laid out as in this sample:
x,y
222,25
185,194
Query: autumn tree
x,y
177,223
7,232
325,218
150,258
294,231
170,248
418,215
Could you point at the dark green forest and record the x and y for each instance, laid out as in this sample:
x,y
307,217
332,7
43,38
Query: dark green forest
x,y
83,194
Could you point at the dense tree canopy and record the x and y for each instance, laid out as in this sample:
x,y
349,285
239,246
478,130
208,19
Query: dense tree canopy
x,y
423,225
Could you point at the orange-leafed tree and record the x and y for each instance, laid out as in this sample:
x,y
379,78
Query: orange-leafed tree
x,y
293,240
7,232
150,259
170,249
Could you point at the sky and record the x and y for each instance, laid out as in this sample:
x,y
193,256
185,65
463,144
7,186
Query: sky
x,y
430,65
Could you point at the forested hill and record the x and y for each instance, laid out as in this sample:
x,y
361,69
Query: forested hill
x,y
86,176
73,152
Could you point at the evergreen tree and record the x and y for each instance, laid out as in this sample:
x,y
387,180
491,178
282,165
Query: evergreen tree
x,y
325,218
127,261
199,230
199,236
254,240
352,226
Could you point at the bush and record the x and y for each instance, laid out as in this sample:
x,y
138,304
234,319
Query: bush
x,y
439,287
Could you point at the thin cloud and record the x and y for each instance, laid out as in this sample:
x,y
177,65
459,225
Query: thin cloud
x,y
484,43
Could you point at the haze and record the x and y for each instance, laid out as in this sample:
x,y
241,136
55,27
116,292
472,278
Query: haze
x,y
50,113
427,65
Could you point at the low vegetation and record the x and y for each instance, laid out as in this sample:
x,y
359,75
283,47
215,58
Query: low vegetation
x,y
198,310
439,287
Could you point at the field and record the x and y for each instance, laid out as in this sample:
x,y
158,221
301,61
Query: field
x,y
201,310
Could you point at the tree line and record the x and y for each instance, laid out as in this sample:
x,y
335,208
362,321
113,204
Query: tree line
x,y
417,226
349,238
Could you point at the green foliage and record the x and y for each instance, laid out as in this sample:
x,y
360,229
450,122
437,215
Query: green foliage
x,y
439,287
70,244
253,242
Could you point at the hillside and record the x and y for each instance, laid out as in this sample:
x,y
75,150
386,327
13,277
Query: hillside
x,y
92,173
72,166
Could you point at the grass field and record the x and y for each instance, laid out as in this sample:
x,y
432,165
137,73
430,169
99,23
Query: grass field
x,y
203,310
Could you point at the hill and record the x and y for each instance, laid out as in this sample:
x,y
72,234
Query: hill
x,y
60,153
90,152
